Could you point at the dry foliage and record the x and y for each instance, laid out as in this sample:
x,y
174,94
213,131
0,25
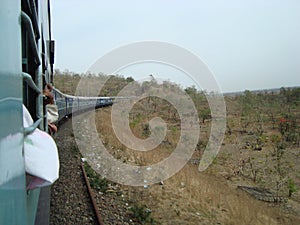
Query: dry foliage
x,y
261,149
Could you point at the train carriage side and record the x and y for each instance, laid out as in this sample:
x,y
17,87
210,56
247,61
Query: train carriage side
x,y
26,65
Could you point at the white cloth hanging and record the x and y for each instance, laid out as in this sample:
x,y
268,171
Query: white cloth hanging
x,y
41,155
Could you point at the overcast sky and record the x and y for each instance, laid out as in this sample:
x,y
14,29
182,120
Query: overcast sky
x,y
247,44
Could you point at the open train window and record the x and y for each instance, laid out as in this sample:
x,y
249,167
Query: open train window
x,y
30,54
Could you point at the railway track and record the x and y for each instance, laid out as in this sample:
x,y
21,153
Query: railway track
x,y
70,196
70,201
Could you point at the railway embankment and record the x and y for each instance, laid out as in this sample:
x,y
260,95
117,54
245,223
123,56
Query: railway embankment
x,y
70,201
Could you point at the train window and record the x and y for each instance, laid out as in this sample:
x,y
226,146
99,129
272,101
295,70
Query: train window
x,y
28,66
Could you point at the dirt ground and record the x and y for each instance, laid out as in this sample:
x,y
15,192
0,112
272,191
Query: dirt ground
x,y
251,156
210,197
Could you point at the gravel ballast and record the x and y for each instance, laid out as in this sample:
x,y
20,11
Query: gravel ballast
x,y
70,201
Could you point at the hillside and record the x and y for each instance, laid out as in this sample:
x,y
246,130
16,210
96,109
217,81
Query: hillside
x,y
261,151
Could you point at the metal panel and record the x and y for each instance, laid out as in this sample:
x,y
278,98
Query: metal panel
x,y
12,173
43,215
31,36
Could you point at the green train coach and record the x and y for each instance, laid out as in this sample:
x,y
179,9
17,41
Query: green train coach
x,y
26,65
26,68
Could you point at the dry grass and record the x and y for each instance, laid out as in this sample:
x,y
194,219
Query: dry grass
x,y
210,197
121,152
191,197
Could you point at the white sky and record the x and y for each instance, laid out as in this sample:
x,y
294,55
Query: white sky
x,y
247,44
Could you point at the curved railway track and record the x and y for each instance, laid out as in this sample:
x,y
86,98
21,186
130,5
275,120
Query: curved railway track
x,y
70,200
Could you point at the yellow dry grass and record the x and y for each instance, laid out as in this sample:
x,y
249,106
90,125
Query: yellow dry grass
x,y
190,197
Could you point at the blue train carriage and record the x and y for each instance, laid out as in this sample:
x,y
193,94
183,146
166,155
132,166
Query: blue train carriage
x,y
26,65
69,105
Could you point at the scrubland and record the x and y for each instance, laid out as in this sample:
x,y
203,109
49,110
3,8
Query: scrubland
x,y
261,149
